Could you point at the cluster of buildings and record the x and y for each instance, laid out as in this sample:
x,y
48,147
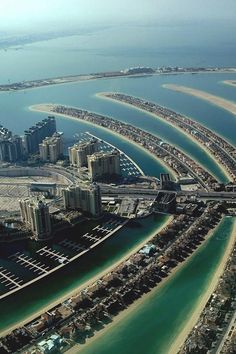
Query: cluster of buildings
x,y
182,164
35,135
100,164
79,153
11,146
85,197
78,317
51,148
14,148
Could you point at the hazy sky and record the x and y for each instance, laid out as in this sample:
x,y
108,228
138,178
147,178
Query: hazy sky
x,y
27,13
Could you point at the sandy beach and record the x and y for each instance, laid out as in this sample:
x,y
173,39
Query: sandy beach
x,y
229,106
189,136
47,108
178,342
87,283
180,339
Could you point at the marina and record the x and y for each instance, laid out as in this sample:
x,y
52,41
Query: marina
x,y
49,259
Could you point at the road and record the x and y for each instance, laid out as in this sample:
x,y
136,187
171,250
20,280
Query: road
x,y
138,193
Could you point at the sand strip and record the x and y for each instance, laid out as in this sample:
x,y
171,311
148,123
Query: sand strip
x,y
229,106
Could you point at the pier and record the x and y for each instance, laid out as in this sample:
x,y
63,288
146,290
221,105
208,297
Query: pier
x,y
9,280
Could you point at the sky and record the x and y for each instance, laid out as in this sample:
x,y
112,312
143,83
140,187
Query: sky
x,y
25,14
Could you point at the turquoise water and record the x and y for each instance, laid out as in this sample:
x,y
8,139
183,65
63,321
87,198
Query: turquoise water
x,y
152,327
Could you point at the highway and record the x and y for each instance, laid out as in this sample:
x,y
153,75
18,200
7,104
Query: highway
x,y
151,193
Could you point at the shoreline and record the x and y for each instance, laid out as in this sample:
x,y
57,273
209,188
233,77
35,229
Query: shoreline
x,y
86,283
45,108
121,316
195,141
223,103
180,339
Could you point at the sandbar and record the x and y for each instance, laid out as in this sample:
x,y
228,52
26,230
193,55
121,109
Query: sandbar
x,y
227,105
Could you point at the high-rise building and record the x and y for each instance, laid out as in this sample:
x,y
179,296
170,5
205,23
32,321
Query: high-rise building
x,y
11,147
165,181
51,148
35,135
104,165
35,214
79,152
85,197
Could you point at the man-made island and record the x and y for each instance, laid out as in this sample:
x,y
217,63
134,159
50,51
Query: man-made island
x,y
182,165
136,71
223,152
80,315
